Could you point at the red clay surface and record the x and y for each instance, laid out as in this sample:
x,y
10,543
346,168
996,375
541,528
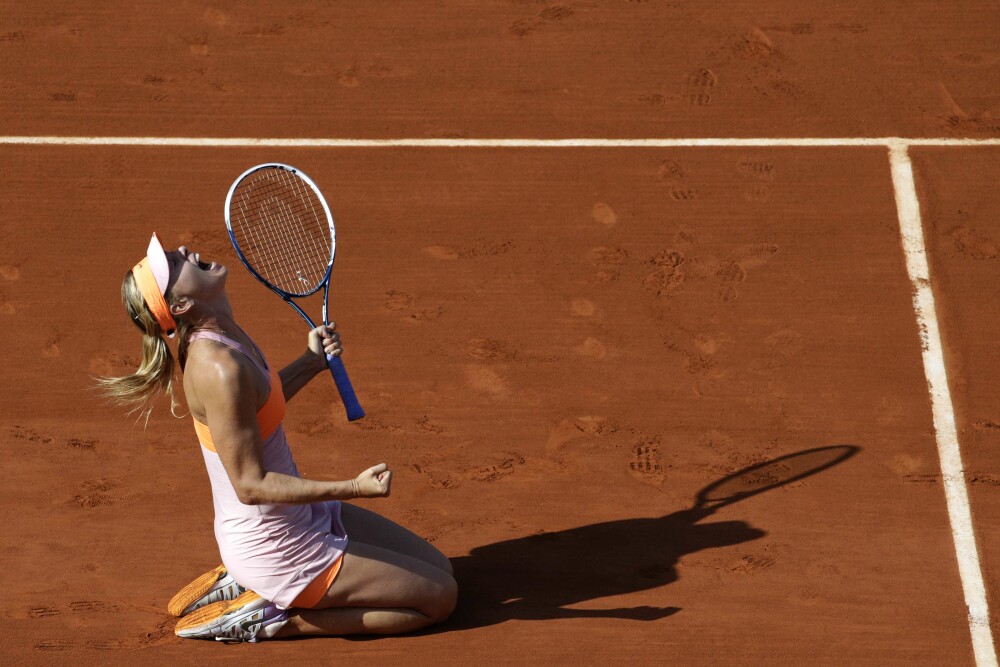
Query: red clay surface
x,y
547,343
514,68
557,349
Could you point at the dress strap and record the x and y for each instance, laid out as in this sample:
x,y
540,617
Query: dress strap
x,y
229,342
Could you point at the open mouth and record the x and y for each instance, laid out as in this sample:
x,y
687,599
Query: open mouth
x,y
204,266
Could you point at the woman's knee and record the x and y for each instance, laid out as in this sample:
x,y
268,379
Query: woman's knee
x,y
445,599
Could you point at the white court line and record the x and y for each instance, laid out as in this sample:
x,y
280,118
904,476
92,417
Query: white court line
x,y
952,471
241,142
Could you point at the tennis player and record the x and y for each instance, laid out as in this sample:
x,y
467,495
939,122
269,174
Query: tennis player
x,y
297,560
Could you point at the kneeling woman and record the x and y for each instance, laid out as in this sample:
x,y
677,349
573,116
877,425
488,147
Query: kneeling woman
x,y
296,560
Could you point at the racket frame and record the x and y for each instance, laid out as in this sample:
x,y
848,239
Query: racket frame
x,y
354,410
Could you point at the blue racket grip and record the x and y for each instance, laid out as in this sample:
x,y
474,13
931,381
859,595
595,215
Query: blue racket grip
x,y
339,374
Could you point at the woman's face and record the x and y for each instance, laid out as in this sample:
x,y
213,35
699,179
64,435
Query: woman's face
x,y
192,278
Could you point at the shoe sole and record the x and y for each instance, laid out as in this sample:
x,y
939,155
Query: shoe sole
x,y
191,593
201,618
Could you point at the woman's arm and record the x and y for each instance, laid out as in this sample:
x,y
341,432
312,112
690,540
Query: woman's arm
x,y
323,340
229,396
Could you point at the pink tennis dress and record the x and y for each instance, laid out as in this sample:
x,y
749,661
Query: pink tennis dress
x,y
274,550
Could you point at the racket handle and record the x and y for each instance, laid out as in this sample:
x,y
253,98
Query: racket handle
x,y
339,374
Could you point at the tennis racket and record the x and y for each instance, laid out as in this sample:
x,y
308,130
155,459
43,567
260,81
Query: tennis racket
x,y
282,230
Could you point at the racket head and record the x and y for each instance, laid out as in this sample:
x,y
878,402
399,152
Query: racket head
x,y
281,228
771,474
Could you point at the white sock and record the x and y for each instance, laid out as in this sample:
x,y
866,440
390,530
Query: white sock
x,y
268,631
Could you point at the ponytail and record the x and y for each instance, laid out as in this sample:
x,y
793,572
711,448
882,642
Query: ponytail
x,y
155,374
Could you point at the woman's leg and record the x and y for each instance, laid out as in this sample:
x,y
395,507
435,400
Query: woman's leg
x,y
378,591
366,526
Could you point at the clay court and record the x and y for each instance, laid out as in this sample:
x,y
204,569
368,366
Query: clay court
x,y
592,259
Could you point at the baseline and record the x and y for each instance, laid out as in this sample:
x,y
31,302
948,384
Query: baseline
x,y
491,143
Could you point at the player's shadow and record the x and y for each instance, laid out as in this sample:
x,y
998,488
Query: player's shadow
x,y
539,577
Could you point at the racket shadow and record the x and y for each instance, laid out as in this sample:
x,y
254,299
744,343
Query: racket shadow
x,y
539,577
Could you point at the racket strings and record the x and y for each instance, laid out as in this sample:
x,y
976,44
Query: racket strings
x,y
282,230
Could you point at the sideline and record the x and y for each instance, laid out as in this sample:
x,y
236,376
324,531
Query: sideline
x,y
952,470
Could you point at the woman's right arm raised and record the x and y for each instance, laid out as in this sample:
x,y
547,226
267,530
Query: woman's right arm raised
x,y
228,395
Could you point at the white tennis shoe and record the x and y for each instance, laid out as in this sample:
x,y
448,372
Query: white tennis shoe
x,y
239,620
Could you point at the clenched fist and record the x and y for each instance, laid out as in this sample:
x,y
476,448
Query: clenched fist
x,y
373,483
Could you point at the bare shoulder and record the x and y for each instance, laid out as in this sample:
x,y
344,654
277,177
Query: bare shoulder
x,y
215,372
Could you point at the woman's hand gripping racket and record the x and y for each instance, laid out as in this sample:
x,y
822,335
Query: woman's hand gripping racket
x,y
283,233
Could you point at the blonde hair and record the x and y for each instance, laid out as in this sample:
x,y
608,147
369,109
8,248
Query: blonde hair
x,y
156,372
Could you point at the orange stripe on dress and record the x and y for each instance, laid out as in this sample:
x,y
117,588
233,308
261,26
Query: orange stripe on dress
x,y
269,417
313,594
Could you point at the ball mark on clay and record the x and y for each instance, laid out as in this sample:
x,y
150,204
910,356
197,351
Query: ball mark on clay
x,y
604,215
216,17
582,307
592,348
607,258
486,380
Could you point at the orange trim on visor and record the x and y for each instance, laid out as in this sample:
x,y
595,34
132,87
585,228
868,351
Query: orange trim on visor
x,y
150,290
